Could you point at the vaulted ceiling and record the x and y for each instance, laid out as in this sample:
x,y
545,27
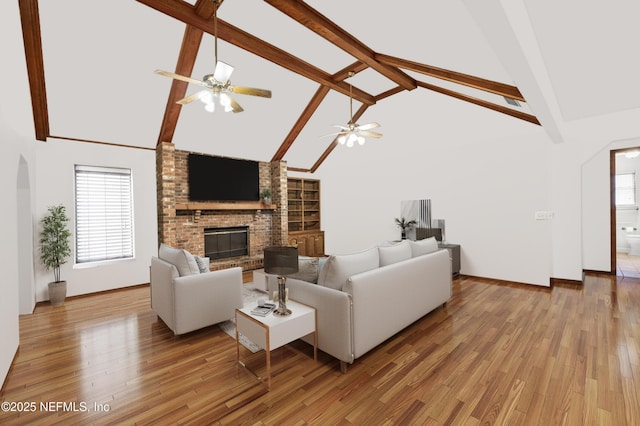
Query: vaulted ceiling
x,y
92,76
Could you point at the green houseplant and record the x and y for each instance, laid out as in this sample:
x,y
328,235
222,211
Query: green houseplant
x,y
55,249
405,224
266,196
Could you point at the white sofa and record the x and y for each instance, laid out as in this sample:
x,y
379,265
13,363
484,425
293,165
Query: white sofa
x,y
362,299
187,297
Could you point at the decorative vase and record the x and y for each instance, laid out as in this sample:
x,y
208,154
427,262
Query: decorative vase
x,y
57,292
266,200
403,235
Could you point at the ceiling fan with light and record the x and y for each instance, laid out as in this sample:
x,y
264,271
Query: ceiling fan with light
x,y
218,86
354,132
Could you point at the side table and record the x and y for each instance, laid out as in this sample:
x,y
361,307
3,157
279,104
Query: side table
x,y
454,254
271,332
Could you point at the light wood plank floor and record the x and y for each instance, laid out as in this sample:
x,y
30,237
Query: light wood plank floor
x,y
497,354
628,266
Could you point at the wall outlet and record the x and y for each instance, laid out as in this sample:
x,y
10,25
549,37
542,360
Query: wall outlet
x,y
544,215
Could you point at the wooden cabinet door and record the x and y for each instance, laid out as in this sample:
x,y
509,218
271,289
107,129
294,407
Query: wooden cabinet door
x,y
299,241
319,244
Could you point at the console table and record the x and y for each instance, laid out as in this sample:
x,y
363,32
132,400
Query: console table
x,y
454,254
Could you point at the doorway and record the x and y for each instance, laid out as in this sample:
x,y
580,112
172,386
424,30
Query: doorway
x,y
625,213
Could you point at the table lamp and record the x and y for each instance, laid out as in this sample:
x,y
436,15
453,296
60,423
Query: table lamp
x,y
281,261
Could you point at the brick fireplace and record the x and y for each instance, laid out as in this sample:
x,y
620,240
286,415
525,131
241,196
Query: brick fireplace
x,y
183,223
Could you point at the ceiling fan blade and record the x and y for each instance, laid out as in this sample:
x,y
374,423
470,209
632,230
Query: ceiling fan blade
x,y
250,91
340,127
222,73
369,126
188,99
369,134
235,106
181,77
332,134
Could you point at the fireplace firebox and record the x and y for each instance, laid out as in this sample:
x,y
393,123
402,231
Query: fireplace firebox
x,y
223,243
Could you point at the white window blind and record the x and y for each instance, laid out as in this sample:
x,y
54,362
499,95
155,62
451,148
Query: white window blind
x,y
626,189
104,214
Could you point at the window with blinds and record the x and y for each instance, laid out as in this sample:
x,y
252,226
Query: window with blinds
x,y
104,214
626,189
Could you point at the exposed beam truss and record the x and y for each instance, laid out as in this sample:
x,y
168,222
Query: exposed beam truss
x,y
186,61
183,11
454,77
321,25
30,20
198,19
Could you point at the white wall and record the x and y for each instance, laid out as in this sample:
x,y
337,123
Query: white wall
x,y
55,183
486,174
16,143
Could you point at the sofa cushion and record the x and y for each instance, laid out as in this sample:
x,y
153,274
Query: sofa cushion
x,y
395,253
180,258
203,263
307,269
337,269
426,246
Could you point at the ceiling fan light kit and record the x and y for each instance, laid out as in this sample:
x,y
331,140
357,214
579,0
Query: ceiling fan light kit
x,y
217,85
353,132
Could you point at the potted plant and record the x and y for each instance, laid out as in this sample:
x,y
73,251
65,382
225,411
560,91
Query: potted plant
x,y
54,250
404,224
266,196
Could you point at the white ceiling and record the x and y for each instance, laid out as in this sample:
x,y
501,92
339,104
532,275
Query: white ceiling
x,y
99,63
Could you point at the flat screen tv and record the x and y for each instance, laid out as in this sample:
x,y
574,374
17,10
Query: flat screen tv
x,y
223,179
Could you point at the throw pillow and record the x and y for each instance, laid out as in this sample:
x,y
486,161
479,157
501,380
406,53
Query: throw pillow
x,y
337,269
180,258
307,269
395,253
203,263
426,246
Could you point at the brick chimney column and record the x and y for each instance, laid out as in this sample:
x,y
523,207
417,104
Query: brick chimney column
x,y
166,189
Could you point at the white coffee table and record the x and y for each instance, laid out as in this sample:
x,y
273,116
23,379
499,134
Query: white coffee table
x,y
271,332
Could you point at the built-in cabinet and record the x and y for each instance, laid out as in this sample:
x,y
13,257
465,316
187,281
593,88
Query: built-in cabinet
x,y
303,202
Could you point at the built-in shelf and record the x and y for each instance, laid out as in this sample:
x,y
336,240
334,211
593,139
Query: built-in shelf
x,y
239,205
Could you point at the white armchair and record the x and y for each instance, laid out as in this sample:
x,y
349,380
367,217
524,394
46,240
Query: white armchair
x,y
192,302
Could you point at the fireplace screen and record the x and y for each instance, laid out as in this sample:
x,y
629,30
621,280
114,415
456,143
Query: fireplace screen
x,y
222,243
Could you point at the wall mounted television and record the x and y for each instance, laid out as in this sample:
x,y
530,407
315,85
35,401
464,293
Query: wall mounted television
x,y
223,179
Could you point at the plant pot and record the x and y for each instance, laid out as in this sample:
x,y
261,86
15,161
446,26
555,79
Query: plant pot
x,y
266,200
57,292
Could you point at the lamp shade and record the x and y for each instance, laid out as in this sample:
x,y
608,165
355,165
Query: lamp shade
x,y
281,260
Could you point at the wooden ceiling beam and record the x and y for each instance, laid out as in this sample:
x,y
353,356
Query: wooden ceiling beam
x,y
343,74
454,77
183,11
389,92
312,107
308,112
186,61
323,26
517,114
30,21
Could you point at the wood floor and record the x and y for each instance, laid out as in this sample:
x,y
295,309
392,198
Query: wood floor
x,y
497,354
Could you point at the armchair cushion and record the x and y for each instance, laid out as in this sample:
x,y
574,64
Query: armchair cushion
x,y
180,258
203,263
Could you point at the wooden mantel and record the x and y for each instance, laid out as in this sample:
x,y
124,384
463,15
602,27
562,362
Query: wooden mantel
x,y
235,205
